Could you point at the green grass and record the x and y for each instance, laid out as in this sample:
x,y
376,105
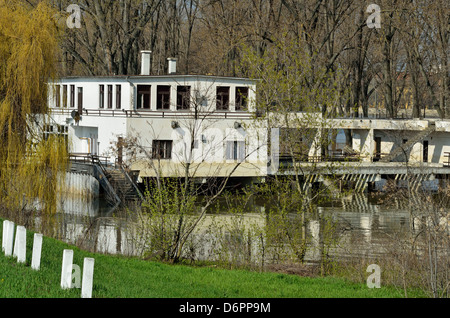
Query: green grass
x,y
121,277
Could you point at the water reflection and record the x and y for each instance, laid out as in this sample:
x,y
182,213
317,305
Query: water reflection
x,y
362,226
365,226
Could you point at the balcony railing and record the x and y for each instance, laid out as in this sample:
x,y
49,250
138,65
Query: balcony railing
x,y
89,158
143,113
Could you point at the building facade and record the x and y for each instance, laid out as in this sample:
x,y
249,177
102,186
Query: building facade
x,y
206,126
174,120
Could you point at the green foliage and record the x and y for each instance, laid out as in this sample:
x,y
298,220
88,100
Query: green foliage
x,y
234,233
287,81
28,48
167,214
30,165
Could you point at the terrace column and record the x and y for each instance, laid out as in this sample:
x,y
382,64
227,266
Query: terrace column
x,y
315,149
367,144
173,98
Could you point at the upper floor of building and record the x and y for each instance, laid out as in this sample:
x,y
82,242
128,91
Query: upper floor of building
x,y
167,93
171,92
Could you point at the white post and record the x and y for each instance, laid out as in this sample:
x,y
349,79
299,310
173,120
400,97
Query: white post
x,y
20,245
9,238
37,248
16,240
66,272
88,278
4,234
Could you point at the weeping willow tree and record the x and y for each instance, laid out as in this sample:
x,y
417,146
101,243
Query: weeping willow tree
x,y
29,163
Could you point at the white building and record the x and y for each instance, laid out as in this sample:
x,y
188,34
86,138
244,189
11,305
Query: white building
x,y
170,115
209,122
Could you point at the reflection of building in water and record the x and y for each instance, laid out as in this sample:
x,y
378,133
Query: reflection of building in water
x,y
112,238
362,227
365,227
314,229
358,202
78,205
100,234
222,236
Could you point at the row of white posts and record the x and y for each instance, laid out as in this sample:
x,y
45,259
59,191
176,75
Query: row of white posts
x,y
16,247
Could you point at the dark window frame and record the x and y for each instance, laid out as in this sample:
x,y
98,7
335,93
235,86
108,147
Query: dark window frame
x,y
235,150
222,98
161,149
183,97
143,96
101,96
72,96
425,152
80,100
118,96
61,131
110,96
163,97
241,98
58,96
64,96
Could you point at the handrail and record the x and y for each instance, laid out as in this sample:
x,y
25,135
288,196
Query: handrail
x,y
319,158
144,113
132,182
89,158
99,171
104,179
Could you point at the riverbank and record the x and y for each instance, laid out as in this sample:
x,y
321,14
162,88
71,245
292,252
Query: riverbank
x,y
122,277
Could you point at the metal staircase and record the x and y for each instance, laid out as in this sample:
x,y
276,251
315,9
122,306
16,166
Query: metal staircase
x,y
101,174
118,183
409,144
123,184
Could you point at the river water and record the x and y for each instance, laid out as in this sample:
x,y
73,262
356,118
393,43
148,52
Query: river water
x,y
362,226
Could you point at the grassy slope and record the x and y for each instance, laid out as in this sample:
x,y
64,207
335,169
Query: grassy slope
x,y
120,277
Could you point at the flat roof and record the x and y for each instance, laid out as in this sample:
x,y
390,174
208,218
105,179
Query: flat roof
x,y
159,76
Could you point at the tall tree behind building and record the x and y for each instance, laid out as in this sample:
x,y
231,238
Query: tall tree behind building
x,y
407,54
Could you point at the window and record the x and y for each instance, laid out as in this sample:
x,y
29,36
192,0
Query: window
x,y
102,96
110,96
143,96
241,98
118,96
72,95
162,149
425,151
80,100
377,148
163,97
222,98
58,96
183,97
57,131
48,130
235,150
64,95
